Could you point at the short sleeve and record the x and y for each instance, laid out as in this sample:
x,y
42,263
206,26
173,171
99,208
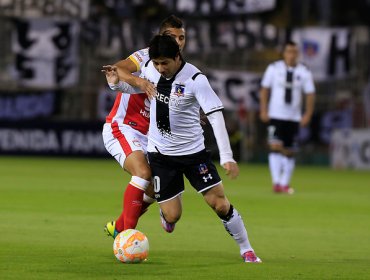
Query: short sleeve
x,y
308,84
140,57
205,95
267,77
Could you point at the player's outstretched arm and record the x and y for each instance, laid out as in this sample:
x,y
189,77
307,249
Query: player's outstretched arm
x,y
113,81
125,68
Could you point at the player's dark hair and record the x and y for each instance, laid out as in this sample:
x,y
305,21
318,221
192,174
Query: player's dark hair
x,y
171,22
163,46
290,43
286,44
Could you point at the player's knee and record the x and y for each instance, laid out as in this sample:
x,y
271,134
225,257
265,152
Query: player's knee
x,y
219,204
144,173
222,207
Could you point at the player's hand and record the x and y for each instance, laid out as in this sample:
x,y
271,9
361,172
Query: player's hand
x,y
264,117
305,120
232,169
147,87
111,74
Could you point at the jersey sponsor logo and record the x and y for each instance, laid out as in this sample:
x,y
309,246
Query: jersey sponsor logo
x,y
179,90
163,98
203,169
167,100
145,112
138,57
132,123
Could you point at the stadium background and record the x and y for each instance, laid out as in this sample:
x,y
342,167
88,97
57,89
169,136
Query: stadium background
x,y
53,97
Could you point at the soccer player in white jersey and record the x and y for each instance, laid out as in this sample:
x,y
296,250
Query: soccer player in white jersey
x,y
176,143
126,127
283,85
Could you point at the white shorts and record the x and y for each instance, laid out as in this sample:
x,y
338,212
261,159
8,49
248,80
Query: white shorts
x,y
121,140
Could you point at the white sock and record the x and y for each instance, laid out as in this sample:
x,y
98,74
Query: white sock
x,y
148,199
276,165
288,168
139,183
235,227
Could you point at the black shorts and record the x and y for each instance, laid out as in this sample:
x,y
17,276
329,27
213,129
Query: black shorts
x,y
283,131
168,172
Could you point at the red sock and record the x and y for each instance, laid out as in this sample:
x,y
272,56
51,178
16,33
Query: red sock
x,y
132,208
133,200
132,204
120,222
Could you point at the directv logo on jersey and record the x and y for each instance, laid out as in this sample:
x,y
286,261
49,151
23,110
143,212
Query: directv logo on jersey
x,y
167,100
203,169
162,98
179,90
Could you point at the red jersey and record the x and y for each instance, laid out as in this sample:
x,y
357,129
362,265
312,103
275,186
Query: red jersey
x,y
132,110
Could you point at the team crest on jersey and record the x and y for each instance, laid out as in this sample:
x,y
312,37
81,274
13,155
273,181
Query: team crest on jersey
x,y
136,143
179,90
203,169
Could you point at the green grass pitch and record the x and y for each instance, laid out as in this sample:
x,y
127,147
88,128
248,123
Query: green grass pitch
x,y
52,213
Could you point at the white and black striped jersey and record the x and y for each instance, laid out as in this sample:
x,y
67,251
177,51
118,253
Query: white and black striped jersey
x,y
174,114
286,86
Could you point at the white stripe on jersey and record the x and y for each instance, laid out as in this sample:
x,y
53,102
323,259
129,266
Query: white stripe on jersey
x,y
184,134
275,78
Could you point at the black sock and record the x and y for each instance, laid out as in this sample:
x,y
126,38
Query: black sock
x,y
229,214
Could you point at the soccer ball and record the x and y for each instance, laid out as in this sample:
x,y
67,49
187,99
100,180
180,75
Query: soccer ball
x,y
131,246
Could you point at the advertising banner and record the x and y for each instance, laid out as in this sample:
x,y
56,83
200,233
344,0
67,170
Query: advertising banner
x,y
52,138
328,52
350,149
46,53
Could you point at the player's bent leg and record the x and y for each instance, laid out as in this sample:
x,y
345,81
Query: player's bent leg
x,y
133,200
231,220
170,212
216,199
288,163
275,160
137,165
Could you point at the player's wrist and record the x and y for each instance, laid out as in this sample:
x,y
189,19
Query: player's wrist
x,y
119,86
226,158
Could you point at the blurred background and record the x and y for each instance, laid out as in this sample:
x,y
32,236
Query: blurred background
x,y
54,99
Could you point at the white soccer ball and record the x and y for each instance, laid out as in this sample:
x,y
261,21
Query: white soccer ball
x,y
131,246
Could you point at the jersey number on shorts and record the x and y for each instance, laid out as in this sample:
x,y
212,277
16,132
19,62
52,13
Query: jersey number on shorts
x,y
157,184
